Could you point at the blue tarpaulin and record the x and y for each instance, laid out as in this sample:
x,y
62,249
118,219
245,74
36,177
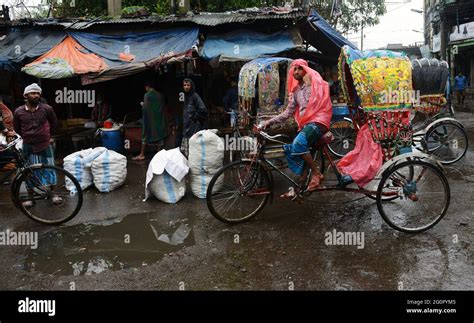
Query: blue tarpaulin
x,y
27,43
321,35
247,45
142,50
142,47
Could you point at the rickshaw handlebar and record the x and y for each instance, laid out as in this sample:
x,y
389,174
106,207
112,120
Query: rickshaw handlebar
x,y
15,141
258,130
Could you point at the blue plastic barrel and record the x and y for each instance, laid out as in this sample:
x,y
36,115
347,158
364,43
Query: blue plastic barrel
x,y
112,139
339,112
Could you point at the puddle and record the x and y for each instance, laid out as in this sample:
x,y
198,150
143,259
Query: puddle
x,y
459,172
87,249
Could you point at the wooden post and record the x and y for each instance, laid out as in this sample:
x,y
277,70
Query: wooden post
x,y
114,7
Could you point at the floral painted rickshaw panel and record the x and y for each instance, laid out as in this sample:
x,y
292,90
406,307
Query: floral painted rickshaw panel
x,y
261,79
381,83
268,87
382,79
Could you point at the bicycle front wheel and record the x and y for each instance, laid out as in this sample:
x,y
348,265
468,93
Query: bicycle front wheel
x,y
422,192
238,192
40,193
447,142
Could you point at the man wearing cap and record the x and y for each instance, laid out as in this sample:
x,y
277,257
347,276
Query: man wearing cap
x,y
34,121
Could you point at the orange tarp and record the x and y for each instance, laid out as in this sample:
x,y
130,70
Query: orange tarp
x,y
73,53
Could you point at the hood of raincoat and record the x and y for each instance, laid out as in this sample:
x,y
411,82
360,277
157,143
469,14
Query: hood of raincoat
x,y
193,87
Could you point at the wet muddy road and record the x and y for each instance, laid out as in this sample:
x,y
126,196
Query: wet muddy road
x,y
119,242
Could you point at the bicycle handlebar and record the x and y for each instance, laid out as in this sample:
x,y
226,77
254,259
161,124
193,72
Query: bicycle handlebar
x,y
241,113
14,142
258,129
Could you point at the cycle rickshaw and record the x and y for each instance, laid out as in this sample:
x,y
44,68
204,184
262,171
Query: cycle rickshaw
x,y
410,189
432,115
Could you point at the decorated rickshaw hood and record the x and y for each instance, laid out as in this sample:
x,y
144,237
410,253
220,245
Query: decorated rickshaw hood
x,y
376,80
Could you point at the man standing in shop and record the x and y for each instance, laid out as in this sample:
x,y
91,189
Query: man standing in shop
x,y
194,114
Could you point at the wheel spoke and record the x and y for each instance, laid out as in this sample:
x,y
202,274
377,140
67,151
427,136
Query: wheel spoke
x,y
447,142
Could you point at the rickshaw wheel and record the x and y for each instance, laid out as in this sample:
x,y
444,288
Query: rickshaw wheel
x,y
447,142
422,192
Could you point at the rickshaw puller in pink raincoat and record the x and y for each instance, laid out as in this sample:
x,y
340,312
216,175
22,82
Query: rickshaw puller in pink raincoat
x,y
310,105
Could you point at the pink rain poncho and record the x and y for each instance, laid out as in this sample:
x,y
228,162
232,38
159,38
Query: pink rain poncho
x,y
319,107
362,163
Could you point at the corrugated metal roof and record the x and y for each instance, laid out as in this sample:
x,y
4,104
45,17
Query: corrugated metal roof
x,y
203,18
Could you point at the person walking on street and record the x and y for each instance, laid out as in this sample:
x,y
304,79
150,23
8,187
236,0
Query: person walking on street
x,y
35,121
460,85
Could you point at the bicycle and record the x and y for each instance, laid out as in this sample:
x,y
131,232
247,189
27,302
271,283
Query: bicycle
x,y
236,135
410,186
39,191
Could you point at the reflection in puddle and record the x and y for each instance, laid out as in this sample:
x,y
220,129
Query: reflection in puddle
x,y
93,248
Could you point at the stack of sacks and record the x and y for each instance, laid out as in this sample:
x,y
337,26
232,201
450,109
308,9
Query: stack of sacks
x,y
79,165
